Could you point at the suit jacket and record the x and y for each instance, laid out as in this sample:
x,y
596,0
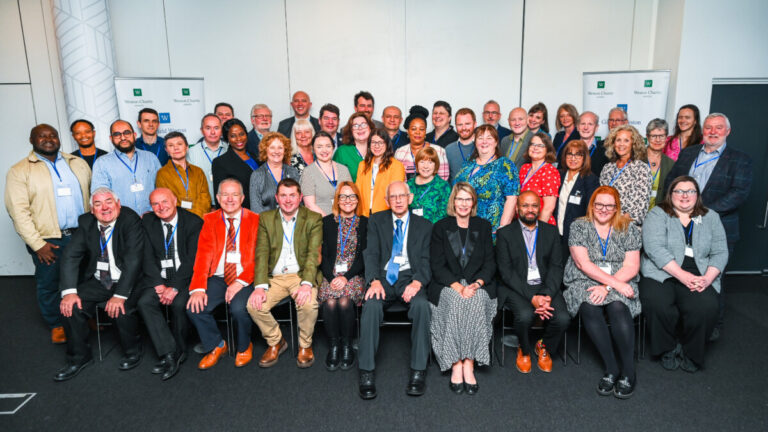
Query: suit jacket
x,y
331,243
78,261
665,167
728,186
188,228
445,250
597,159
286,125
503,132
584,187
506,143
512,261
210,247
229,165
307,238
252,146
379,249
559,145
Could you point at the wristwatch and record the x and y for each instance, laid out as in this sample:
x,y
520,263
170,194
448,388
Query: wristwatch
x,y
608,288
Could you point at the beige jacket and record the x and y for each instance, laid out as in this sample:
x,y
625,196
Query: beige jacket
x,y
30,201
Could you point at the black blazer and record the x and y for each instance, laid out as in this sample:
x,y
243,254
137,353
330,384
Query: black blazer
x,y
445,250
597,159
78,261
252,146
446,138
512,261
230,165
187,232
286,125
379,248
559,145
584,187
331,242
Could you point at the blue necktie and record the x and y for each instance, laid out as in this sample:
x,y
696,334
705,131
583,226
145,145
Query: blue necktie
x,y
393,268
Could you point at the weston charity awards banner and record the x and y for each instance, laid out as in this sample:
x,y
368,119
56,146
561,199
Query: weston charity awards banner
x,y
178,101
642,94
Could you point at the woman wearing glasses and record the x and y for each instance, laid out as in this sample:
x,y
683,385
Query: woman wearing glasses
x,y
540,176
685,252
462,290
275,149
660,164
626,172
376,172
355,138
344,239
601,282
430,192
320,178
578,183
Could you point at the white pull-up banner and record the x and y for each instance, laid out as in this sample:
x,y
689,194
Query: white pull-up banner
x,y
180,103
641,94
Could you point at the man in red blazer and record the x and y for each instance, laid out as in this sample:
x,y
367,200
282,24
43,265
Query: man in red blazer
x,y
224,272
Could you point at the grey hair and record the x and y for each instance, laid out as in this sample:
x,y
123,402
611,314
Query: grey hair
x,y
597,117
713,115
103,190
657,123
260,106
230,180
300,124
621,110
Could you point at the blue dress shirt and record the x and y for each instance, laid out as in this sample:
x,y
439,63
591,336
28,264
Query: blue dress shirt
x,y
66,191
116,171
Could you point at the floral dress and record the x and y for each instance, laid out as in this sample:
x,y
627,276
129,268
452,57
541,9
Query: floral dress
x,y
431,198
493,182
348,229
545,182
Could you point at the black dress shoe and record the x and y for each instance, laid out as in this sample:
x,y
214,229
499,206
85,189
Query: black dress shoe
x,y
625,388
456,388
347,356
417,384
471,389
160,366
173,364
367,385
332,360
130,362
70,371
606,385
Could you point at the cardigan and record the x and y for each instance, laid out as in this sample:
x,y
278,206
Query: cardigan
x,y
330,246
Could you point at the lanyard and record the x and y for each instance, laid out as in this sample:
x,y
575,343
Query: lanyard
x,y
170,240
480,167
604,247
698,164
463,159
135,164
529,175
405,229
104,245
145,146
333,172
591,152
185,184
512,150
532,252
688,238
282,174
293,231
358,151
234,239
565,140
410,149
56,170
425,192
394,145
618,174
343,243
206,153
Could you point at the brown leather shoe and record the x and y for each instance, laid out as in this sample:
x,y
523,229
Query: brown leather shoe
x,y
523,362
245,357
272,353
212,357
305,358
545,360
58,336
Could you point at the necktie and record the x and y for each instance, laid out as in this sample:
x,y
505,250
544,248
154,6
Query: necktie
x,y
393,268
230,269
170,252
105,277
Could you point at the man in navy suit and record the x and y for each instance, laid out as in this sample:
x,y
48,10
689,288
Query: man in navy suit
x,y
492,115
301,106
724,175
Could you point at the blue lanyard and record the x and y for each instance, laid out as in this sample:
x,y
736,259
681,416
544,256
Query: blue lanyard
x,y
480,167
358,151
135,164
529,175
604,247
688,238
293,231
282,174
514,149
405,229
698,164
532,252
167,244
333,172
203,146
462,151
104,245
56,170
618,174
397,140
591,152
425,192
144,146
185,184
234,239
565,140
343,244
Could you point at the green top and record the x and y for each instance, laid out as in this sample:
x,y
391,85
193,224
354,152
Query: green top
x,y
432,198
347,155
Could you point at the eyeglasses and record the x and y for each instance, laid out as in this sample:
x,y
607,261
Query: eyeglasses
x,y
360,126
262,116
398,197
537,145
601,206
491,113
125,133
574,155
681,192
378,143
463,200
345,198
657,137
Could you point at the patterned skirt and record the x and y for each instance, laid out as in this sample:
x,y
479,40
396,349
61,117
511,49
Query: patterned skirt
x,y
353,289
462,328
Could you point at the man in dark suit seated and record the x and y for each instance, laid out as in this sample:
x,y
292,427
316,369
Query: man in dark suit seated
x,y
301,105
170,246
724,175
529,258
397,270
108,247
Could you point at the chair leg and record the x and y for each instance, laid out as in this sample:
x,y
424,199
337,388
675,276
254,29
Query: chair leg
x,y
230,333
98,334
290,314
578,342
503,328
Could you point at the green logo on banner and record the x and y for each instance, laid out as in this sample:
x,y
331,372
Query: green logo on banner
x,y
648,83
601,84
137,92
185,92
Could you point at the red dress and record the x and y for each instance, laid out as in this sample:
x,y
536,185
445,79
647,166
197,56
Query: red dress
x,y
545,182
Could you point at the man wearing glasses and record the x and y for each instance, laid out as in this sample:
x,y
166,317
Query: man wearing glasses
x,y
301,106
492,115
587,126
261,119
128,171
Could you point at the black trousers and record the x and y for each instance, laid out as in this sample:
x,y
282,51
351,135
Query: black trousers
x,y
669,303
524,316
166,339
92,293
621,333
373,314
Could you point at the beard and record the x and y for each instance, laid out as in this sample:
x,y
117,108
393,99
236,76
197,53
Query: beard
x,y
528,219
48,152
126,149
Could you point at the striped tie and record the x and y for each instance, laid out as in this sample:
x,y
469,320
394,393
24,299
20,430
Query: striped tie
x,y
230,269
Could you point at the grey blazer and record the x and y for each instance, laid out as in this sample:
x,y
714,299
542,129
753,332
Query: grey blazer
x,y
263,187
506,143
664,241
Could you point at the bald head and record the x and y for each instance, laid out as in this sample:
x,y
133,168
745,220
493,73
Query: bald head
x,y
163,204
518,121
301,104
45,140
528,207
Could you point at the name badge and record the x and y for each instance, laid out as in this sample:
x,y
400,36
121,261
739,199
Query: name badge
x,y
341,268
233,257
574,199
605,267
399,260
137,187
210,178
418,211
653,194
533,274
63,191
689,251
166,263
186,204
102,266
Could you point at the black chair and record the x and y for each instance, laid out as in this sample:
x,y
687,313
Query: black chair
x,y
99,324
537,325
639,339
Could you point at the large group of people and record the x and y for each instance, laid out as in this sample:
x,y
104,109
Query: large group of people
x,y
448,226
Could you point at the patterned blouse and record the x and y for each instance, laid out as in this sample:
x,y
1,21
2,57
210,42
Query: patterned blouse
x,y
431,198
493,182
545,182
633,182
298,162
